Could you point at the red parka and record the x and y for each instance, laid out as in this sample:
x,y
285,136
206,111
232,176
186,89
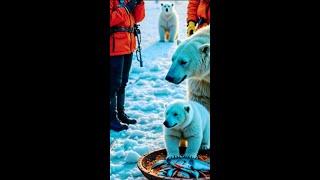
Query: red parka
x,y
124,42
198,9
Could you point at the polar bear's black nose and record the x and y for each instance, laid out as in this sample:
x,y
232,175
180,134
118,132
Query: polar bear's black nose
x,y
166,10
169,78
166,124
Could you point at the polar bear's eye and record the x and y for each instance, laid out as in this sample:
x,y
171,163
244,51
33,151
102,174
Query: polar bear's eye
x,y
183,62
175,114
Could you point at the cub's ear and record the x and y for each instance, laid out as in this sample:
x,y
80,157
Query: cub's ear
x,y
161,4
165,105
172,4
187,108
205,50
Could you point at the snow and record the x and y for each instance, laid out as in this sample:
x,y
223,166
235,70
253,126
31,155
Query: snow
x,y
132,157
147,93
143,149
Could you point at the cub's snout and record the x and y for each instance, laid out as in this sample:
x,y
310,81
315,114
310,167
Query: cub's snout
x,y
169,78
166,124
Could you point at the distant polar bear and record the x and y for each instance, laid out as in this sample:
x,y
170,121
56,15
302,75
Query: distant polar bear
x,y
191,60
168,23
187,120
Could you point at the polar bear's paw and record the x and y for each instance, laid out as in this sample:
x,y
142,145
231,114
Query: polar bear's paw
x,y
190,156
205,147
173,157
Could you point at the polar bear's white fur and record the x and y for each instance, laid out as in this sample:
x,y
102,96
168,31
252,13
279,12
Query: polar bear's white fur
x,y
191,60
168,23
187,120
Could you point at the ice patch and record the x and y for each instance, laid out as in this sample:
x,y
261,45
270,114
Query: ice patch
x,y
141,149
145,75
162,92
155,68
179,96
142,121
132,157
136,133
117,154
135,172
140,83
149,107
136,70
129,143
114,168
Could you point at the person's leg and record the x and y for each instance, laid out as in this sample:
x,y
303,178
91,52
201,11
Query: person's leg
x,y
115,73
121,92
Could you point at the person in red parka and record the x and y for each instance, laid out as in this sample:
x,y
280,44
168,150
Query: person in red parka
x,y
123,15
198,15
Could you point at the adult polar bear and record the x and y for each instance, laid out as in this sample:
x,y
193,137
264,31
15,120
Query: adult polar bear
x,y
168,23
191,60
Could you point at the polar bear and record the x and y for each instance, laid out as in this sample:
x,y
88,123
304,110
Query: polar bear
x,y
187,120
191,60
168,23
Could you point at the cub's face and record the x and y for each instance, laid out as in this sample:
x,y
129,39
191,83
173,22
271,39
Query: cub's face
x,y
176,114
167,8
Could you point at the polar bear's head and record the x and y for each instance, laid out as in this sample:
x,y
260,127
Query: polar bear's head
x,y
177,114
191,59
167,8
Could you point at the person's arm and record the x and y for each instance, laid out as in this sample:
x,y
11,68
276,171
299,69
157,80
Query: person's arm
x,y
118,15
192,10
139,11
192,16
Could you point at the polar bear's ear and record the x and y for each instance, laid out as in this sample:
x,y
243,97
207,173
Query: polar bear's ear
x,y
205,50
172,4
161,4
187,108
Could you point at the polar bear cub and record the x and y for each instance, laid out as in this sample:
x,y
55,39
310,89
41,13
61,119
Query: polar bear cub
x,y
168,23
186,120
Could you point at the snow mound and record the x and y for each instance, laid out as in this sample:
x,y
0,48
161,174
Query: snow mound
x,y
115,168
117,154
132,157
129,143
155,68
141,149
149,107
162,92
136,133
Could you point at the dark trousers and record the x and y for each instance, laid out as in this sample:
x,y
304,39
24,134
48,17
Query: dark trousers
x,y
119,76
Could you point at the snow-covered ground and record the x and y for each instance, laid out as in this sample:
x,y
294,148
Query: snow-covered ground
x,y
146,94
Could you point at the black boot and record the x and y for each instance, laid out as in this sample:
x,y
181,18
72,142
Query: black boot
x,y
114,121
120,107
125,119
116,125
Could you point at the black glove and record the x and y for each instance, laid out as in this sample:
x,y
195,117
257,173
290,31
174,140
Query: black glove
x,y
131,5
139,1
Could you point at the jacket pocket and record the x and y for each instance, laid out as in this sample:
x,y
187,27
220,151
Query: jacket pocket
x,y
120,42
